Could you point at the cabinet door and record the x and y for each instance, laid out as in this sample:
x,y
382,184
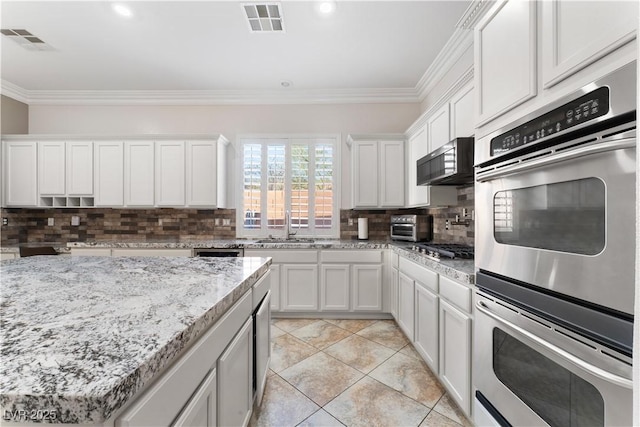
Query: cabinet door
x,y
80,169
462,114
334,287
201,173
20,169
51,168
367,288
299,287
438,128
426,332
505,58
109,164
406,305
139,173
455,354
365,174
275,286
263,346
235,378
170,173
391,173
569,43
201,409
418,146
393,293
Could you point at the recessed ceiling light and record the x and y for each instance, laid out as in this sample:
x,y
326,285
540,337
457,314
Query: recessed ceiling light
x,y
326,7
122,10
285,83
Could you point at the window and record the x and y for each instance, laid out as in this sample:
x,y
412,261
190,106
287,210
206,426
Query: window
x,y
288,174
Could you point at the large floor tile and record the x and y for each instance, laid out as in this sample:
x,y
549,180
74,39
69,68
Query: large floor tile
x,y
321,377
447,406
282,405
287,350
351,325
386,333
321,419
434,419
276,332
289,325
360,353
409,350
369,403
410,377
320,334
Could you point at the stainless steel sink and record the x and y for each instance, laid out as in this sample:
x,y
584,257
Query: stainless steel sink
x,y
287,241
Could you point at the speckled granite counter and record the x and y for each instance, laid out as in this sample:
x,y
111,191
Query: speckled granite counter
x,y
81,335
460,270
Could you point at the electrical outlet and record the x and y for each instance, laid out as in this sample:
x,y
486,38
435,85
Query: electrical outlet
x,y
75,220
350,222
216,222
226,221
51,222
5,221
446,225
159,221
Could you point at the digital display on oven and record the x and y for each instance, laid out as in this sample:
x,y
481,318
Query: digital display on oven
x,y
587,107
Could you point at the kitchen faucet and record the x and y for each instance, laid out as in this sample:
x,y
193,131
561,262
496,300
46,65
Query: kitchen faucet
x,y
287,226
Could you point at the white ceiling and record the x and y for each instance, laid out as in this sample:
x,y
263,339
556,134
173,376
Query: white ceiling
x,y
207,46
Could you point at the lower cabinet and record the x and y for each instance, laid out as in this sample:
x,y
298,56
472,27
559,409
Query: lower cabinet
x,y
235,370
366,287
455,353
201,409
393,292
406,305
345,287
426,325
334,287
299,287
263,346
275,286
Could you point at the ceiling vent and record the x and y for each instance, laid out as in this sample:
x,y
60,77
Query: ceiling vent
x,y
264,17
25,39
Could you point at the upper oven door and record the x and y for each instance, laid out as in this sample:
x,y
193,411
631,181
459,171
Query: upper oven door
x,y
564,221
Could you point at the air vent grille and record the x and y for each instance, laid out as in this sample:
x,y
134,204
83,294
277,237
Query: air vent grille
x,y
25,39
264,17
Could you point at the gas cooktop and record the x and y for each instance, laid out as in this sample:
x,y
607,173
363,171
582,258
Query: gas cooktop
x,y
444,251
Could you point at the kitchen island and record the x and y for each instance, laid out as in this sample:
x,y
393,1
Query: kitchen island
x,y
82,336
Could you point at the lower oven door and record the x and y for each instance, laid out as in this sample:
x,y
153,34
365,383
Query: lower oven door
x,y
564,221
530,373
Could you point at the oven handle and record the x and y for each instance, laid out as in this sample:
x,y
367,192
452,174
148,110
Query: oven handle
x,y
594,370
616,144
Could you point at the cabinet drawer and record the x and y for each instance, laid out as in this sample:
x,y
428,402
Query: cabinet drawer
x,y
456,293
420,274
261,288
352,256
285,256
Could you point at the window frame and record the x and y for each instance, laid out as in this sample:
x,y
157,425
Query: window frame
x,y
287,139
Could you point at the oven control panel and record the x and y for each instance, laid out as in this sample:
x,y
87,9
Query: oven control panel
x,y
588,107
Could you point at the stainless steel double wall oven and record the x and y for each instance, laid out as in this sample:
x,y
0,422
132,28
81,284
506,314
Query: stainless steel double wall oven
x,y
555,249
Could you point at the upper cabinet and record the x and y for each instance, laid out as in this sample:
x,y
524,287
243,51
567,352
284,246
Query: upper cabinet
x,y
505,58
570,43
438,128
378,170
462,112
43,171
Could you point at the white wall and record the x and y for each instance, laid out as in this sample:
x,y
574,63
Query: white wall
x,y
230,121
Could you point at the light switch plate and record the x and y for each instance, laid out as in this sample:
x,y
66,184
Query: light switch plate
x,y
51,222
216,221
226,221
75,220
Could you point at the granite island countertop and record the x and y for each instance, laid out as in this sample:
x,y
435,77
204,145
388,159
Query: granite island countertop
x,y
81,335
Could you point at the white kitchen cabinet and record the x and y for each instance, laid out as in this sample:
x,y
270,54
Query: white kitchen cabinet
x,y
462,112
426,325
263,346
170,173
455,353
51,168
577,33
299,287
438,128
201,173
235,377
367,288
406,305
378,171
20,173
505,58
139,173
109,173
334,287
393,292
275,286
80,168
201,409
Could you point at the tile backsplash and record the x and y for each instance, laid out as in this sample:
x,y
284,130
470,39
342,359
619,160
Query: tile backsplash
x,y
106,224
380,220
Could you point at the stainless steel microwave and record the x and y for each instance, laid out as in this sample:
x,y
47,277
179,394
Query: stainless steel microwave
x,y
451,164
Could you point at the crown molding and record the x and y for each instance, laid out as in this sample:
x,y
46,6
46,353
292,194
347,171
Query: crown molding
x,y
208,97
476,10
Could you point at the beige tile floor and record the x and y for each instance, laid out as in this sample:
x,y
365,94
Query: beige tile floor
x,y
350,373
